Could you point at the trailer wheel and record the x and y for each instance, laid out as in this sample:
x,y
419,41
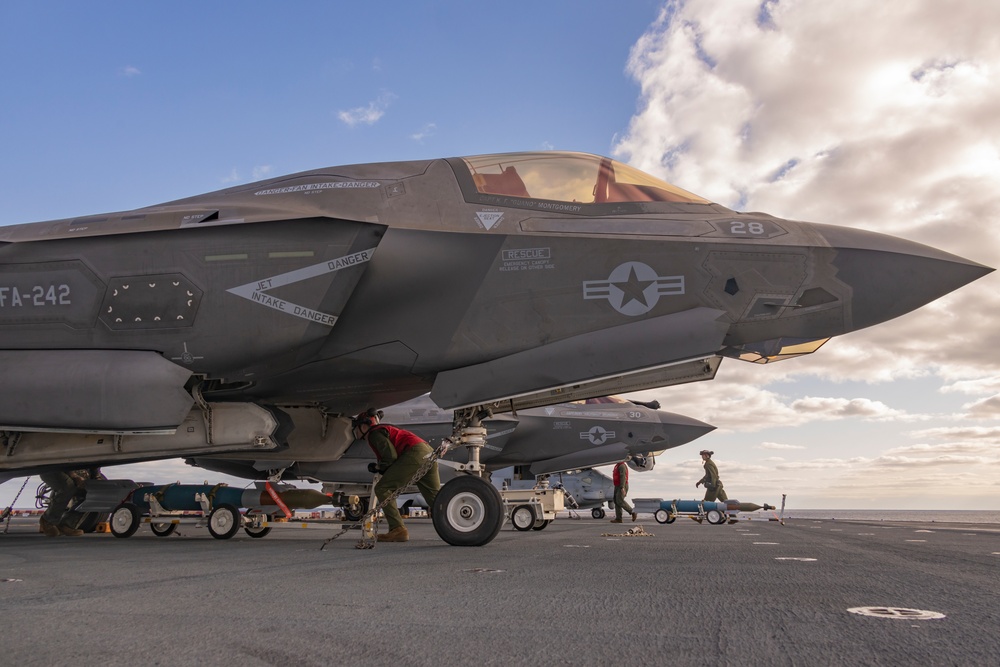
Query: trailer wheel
x,y
162,529
250,530
597,512
661,516
224,522
540,525
125,520
715,517
523,517
468,512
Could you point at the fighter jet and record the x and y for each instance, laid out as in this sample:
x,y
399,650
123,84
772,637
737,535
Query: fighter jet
x,y
542,441
257,316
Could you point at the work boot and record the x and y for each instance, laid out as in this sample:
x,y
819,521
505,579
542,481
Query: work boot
x,y
635,515
47,528
616,521
69,532
399,534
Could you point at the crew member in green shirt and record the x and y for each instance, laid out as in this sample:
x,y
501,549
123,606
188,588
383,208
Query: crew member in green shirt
x,y
713,485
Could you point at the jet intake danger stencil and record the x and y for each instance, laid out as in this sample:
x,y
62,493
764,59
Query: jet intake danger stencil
x,y
256,291
633,288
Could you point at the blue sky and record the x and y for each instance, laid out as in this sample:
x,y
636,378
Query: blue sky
x,y
126,104
865,114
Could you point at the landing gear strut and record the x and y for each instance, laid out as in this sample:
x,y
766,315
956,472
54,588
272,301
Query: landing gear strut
x,y
468,511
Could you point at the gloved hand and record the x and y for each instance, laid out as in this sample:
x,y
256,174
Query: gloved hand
x,y
697,484
373,468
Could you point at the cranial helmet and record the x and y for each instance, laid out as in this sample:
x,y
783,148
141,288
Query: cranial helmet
x,y
369,418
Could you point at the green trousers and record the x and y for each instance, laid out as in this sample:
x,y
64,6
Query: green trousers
x,y
399,474
620,502
717,493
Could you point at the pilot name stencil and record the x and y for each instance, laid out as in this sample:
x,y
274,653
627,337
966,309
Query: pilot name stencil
x,y
633,288
255,291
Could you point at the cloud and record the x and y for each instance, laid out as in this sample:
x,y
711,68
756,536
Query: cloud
x,y
841,408
130,71
778,445
986,385
768,107
987,408
261,172
232,177
959,433
424,132
367,115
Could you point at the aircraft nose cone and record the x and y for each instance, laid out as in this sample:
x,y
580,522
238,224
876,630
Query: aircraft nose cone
x,y
680,430
890,276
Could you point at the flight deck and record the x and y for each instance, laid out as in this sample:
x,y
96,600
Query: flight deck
x,y
579,592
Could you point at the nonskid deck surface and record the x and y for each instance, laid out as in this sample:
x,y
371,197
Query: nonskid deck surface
x,y
754,593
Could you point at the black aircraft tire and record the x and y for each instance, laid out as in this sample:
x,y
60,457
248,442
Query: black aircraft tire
x,y
597,512
224,521
522,517
468,512
125,520
162,528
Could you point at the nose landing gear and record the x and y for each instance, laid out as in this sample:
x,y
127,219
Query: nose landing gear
x,y
468,510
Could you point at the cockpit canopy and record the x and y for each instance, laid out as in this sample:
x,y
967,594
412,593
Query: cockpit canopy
x,y
570,177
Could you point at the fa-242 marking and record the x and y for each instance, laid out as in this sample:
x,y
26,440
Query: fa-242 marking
x,y
37,296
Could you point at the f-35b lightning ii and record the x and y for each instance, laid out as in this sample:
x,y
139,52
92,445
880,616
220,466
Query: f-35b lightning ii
x,y
252,317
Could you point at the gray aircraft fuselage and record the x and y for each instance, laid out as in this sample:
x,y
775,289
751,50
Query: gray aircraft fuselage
x,y
239,319
566,436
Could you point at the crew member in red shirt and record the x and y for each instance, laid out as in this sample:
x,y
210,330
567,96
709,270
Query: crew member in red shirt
x,y
400,454
621,490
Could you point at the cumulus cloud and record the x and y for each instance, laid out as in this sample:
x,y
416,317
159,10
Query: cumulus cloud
x,y
261,172
987,408
847,113
367,115
130,71
839,408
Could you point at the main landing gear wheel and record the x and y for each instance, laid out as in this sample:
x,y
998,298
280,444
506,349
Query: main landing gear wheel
x,y
597,512
468,512
715,517
163,529
540,524
125,520
252,531
523,517
224,522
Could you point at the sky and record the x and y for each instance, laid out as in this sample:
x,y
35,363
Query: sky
x,y
882,116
